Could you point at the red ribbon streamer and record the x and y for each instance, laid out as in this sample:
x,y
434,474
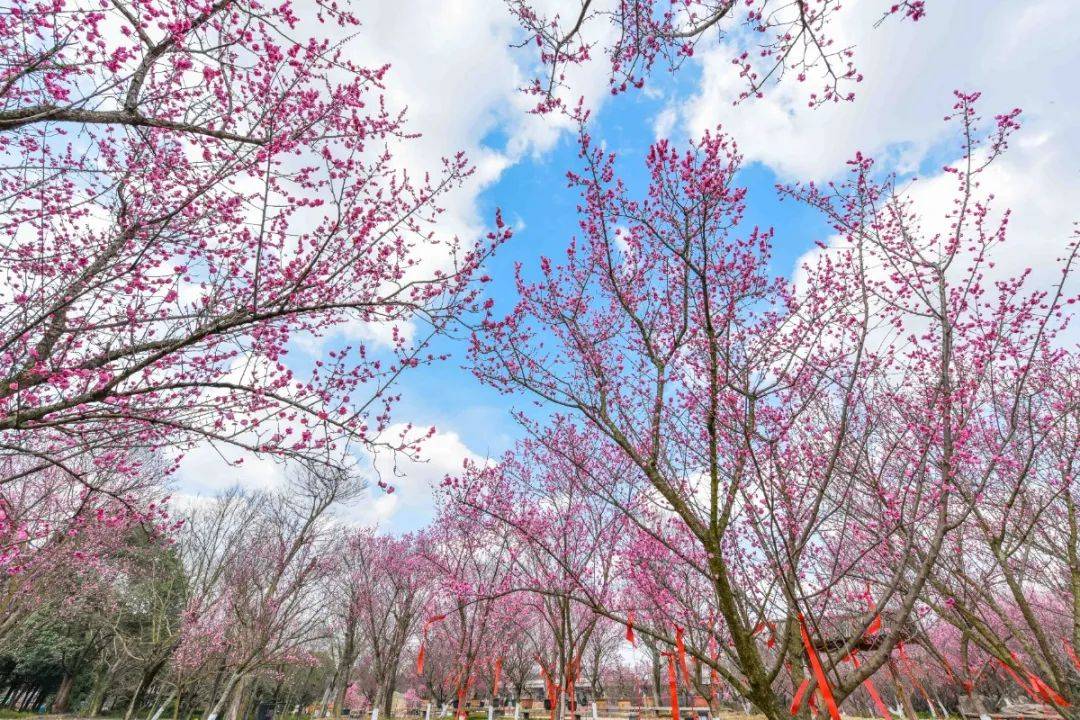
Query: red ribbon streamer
x,y
1046,692
462,692
905,664
571,680
772,632
714,676
1019,681
1034,687
630,628
495,680
819,672
875,624
423,641
552,688
882,709
673,689
680,648
796,702
1071,653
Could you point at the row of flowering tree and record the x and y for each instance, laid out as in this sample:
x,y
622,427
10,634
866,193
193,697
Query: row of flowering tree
x,y
191,188
774,486
802,477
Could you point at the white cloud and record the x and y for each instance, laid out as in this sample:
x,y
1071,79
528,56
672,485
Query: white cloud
x,y
665,121
206,470
910,72
1016,56
454,67
412,503
455,72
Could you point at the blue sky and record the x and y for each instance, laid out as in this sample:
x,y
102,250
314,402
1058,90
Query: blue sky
x,y
459,77
534,196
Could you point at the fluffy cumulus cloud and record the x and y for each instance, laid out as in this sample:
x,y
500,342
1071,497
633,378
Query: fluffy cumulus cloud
x,y
411,505
456,71
456,74
1015,55
206,471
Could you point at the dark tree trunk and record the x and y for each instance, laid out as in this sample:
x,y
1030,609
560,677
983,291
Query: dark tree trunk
x,y
97,691
63,694
795,656
144,684
344,670
901,691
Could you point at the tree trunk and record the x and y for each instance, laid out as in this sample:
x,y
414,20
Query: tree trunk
x,y
388,699
144,683
40,699
63,694
97,692
795,657
654,658
237,701
165,703
339,693
222,698
327,696
901,691
27,700
344,669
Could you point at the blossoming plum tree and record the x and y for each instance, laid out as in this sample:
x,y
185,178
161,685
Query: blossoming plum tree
x,y
189,186
990,378
790,37
788,455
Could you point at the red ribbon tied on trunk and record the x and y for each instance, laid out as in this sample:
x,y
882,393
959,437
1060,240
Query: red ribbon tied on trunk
x,y
572,673
673,684
423,642
760,627
550,685
1035,687
1071,653
796,702
875,624
819,671
882,709
680,648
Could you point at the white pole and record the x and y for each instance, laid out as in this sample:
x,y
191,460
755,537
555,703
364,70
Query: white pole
x,y
517,711
595,716
374,713
491,712
427,712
